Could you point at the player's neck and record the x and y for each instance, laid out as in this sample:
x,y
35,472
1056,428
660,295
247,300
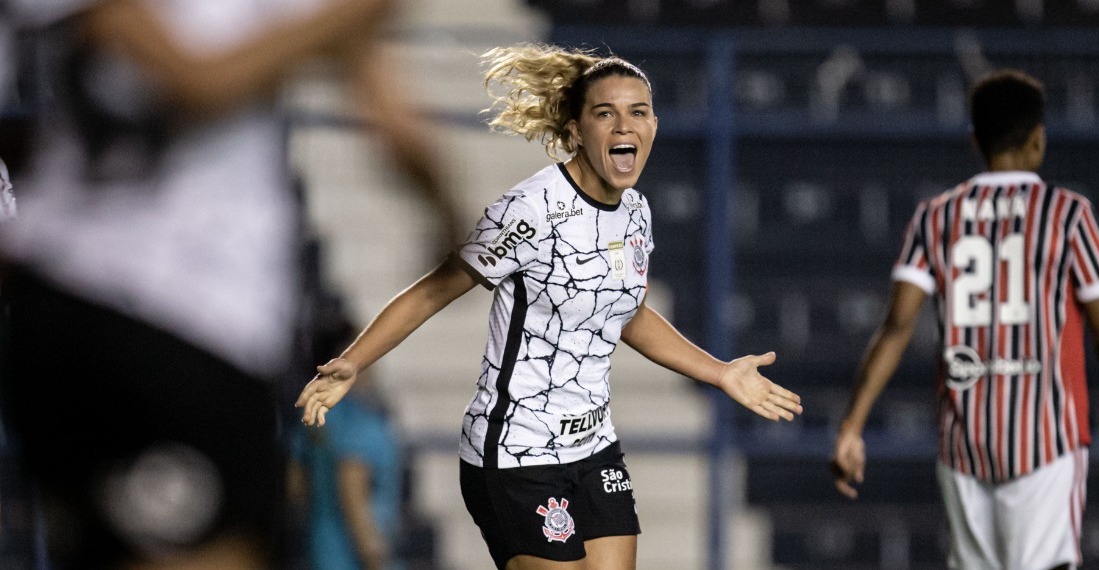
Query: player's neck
x,y
590,182
1023,158
1014,162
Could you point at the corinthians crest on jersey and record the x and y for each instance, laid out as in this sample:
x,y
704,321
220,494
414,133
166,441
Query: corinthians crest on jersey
x,y
568,273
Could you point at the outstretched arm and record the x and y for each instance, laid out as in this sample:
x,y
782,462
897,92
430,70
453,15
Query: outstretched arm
x,y
654,337
878,365
400,317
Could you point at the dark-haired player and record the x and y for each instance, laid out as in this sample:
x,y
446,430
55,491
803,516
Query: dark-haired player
x,y
1013,264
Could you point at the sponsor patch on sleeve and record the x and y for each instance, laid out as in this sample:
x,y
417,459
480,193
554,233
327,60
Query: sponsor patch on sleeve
x,y
515,232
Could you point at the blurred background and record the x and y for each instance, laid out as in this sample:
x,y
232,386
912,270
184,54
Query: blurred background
x,y
796,137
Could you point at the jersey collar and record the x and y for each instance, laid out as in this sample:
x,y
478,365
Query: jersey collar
x,y
591,201
1006,177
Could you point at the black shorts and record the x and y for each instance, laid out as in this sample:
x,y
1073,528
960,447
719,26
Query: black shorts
x,y
86,391
548,511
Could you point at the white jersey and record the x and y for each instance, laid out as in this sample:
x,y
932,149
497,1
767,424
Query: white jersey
x,y
206,247
568,274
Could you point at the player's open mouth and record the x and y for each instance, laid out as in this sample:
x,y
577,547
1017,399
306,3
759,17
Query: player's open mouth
x,y
623,156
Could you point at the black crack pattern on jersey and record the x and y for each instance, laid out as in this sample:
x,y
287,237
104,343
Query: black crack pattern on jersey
x,y
576,307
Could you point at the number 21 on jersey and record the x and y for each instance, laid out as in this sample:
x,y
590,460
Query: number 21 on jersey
x,y
973,303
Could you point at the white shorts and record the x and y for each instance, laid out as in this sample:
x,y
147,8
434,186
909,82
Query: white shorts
x,y
1030,523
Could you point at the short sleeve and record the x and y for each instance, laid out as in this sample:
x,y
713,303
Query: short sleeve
x,y
1084,242
504,242
912,264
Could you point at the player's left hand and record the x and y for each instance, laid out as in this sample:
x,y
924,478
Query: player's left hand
x,y
741,380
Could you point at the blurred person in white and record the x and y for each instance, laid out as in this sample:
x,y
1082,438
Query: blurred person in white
x,y
152,275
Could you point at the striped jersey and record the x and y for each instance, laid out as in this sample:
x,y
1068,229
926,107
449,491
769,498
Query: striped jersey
x,y
1009,259
567,274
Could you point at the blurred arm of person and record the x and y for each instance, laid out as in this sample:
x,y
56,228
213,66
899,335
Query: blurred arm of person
x,y
214,83
350,29
297,483
353,482
878,365
384,101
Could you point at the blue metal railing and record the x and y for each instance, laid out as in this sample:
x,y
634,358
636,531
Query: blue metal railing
x,y
720,174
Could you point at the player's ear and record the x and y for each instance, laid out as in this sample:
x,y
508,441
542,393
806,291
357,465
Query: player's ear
x,y
1037,139
573,127
1035,147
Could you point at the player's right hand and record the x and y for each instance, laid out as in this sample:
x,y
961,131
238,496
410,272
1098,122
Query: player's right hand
x,y
848,463
328,387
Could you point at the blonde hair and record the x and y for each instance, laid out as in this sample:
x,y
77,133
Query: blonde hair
x,y
537,89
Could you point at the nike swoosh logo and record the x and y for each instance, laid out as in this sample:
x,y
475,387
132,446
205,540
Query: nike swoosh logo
x,y
583,261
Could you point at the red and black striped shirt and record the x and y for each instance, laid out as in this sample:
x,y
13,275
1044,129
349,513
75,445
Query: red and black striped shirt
x,y
1009,259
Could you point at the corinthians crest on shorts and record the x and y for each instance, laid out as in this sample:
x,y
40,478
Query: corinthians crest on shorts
x,y
558,523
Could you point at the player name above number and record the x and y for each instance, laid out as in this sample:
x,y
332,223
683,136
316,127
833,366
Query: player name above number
x,y
989,209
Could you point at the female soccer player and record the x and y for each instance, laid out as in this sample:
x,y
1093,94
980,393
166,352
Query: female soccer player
x,y
566,253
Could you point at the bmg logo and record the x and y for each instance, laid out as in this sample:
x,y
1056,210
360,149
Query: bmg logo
x,y
507,241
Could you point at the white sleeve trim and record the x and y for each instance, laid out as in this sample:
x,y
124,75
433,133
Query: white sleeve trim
x,y
917,277
1088,294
